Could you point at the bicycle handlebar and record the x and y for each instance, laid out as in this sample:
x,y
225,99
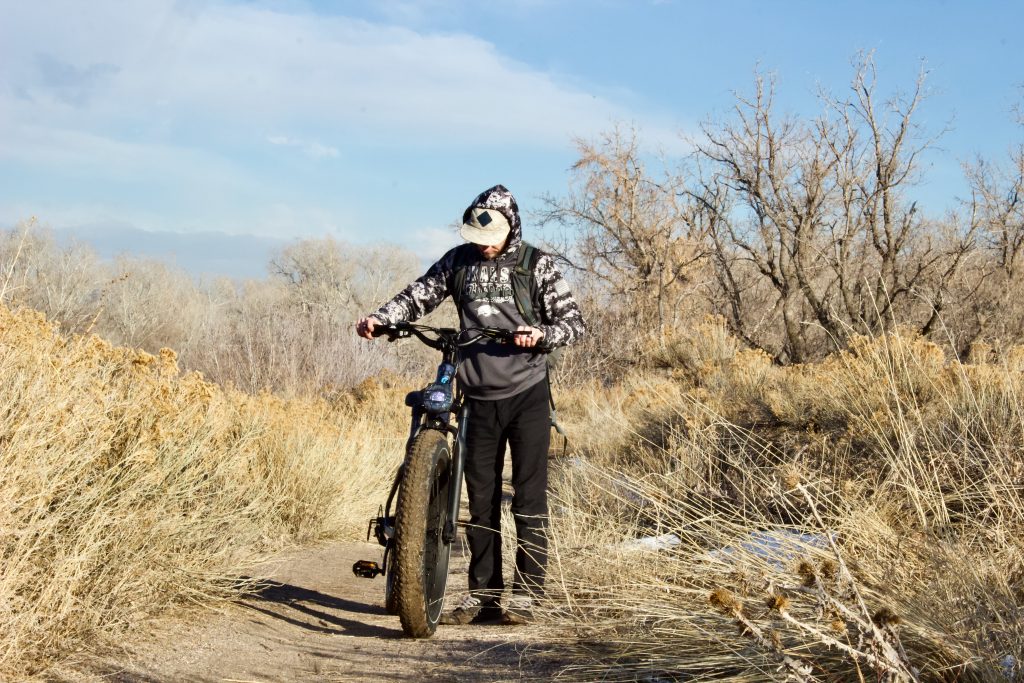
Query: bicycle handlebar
x,y
400,330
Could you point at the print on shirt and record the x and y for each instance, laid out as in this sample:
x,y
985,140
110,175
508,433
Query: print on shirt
x,y
486,287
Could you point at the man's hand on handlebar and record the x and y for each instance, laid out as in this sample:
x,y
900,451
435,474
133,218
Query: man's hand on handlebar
x,y
364,328
523,336
527,337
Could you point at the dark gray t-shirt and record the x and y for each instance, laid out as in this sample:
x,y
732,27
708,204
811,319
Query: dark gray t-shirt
x,y
491,370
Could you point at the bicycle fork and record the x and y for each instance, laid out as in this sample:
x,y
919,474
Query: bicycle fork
x,y
457,472
383,526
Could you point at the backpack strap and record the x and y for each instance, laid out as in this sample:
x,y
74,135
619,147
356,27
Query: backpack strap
x,y
526,293
524,283
457,283
553,414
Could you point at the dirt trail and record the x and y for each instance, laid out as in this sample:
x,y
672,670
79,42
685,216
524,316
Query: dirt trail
x,y
319,622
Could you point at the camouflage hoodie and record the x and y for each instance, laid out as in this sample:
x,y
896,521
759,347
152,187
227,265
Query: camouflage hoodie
x,y
490,370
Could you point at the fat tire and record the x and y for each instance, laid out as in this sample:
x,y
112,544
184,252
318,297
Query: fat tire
x,y
421,555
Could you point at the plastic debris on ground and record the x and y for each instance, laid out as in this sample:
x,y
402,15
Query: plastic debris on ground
x,y
777,546
651,542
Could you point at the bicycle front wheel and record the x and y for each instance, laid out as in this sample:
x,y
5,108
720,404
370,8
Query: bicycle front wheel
x,y
390,601
421,554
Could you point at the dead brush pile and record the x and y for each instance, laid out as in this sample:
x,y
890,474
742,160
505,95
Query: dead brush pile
x,y
128,489
855,519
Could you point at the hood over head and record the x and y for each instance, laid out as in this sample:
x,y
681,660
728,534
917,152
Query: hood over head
x,y
477,224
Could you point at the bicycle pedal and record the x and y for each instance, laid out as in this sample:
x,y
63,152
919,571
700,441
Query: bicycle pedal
x,y
366,569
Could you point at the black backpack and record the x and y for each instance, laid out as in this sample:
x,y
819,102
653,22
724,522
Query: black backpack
x,y
524,283
526,294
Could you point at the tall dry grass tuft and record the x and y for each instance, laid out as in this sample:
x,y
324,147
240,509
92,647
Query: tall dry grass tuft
x,y
854,519
129,488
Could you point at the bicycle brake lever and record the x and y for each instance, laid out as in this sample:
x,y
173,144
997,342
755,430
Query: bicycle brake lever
x,y
501,336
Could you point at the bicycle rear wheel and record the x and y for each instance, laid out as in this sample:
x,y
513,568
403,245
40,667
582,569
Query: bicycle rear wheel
x,y
421,554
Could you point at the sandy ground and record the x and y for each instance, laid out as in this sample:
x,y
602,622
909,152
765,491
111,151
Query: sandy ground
x,y
319,622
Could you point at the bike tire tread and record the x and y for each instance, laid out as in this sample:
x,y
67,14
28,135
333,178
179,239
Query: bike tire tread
x,y
410,532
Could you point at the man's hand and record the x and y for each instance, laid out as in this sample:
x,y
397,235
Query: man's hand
x,y
365,327
527,340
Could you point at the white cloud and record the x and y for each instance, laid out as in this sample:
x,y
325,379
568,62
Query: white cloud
x,y
169,112
313,149
431,243
278,220
318,151
171,61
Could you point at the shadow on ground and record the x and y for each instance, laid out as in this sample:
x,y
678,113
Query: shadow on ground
x,y
315,611
317,622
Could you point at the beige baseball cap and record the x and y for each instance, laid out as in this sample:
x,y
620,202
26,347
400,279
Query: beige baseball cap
x,y
486,227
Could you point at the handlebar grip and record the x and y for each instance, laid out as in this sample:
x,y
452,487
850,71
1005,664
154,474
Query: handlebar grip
x,y
505,335
392,331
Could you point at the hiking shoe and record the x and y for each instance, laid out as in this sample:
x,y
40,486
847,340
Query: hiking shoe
x,y
470,611
519,611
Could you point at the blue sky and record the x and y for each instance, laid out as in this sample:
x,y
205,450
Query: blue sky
x,y
262,122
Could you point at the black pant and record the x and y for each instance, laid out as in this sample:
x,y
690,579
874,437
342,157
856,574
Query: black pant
x,y
523,422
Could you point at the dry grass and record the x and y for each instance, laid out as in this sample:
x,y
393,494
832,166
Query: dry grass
x,y
129,488
855,519
859,518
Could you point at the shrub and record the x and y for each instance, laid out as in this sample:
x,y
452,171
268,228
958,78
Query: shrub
x,y
130,488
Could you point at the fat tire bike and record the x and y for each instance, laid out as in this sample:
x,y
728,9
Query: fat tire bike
x,y
418,534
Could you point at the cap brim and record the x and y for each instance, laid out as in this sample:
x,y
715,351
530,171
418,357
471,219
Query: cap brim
x,y
484,237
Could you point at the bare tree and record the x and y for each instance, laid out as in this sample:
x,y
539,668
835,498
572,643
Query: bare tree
x,y
816,210
150,305
774,176
798,231
291,332
996,209
638,239
342,279
67,282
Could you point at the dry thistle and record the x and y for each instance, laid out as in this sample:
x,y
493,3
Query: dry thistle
x,y
777,602
885,617
828,571
724,601
742,581
807,572
789,475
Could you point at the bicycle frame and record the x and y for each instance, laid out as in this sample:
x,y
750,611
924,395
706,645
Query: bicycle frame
x,y
422,418
429,411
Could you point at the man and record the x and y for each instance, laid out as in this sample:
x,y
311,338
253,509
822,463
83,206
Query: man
x,y
507,390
